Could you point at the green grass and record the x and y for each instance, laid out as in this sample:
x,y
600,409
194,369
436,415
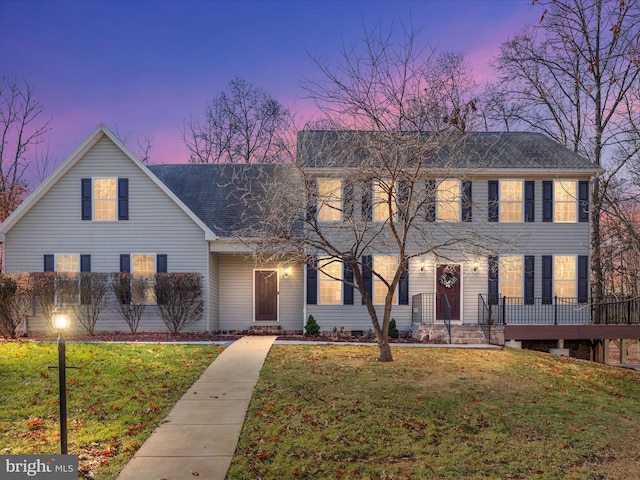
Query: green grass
x,y
120,393
326,412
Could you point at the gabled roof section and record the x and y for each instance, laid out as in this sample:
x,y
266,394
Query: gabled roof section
x,y
220,194
469,150
93,138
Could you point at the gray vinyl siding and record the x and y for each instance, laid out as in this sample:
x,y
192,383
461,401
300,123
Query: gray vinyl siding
x,y
236,294
214,297
156,225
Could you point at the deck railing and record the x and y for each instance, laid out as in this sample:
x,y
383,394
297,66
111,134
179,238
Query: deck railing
x,y
495,310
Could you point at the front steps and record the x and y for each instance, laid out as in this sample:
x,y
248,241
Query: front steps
x,y
460,334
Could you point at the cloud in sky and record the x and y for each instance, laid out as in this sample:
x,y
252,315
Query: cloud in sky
x,y
146,66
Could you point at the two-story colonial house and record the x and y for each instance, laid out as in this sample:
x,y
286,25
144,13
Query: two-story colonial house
x,y
103,210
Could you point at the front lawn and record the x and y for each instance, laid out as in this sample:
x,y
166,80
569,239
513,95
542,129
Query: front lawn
x,y
120,393
335,412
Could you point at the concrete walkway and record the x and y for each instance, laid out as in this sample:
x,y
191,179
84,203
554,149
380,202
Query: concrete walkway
x,y
199,436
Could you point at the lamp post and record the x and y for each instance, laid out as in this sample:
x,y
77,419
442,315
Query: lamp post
x,y
61,323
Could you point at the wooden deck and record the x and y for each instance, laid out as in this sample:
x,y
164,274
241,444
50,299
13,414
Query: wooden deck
x,y
570,332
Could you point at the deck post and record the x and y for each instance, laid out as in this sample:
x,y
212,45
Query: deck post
x,y
601,351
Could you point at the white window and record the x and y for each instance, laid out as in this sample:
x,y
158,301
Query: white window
x,y
329,200
385,266
511,201
144,266
105,201
330,284
565,276
448,201
565,201
511,273
67,288
384,200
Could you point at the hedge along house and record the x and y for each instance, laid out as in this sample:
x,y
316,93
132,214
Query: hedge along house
x,y
103,210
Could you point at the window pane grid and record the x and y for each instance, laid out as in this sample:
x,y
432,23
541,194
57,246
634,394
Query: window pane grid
x,y
67,290
511,277
564,276
144,266
565,208
511,198
384,203
386,267
329,200
104,199
330,286
448,195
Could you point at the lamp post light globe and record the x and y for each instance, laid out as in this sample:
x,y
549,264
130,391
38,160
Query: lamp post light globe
x,y
60,322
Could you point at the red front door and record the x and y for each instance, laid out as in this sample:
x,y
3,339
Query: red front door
x,y
448,282
266,295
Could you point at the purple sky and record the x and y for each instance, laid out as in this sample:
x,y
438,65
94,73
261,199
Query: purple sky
x,y
145,66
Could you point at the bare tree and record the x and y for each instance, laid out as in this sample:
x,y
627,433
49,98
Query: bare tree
x,y
22,127
377,100
242,124
142,144
570,76
130,292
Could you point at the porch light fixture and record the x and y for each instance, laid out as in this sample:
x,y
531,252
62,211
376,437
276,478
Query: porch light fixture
x,y
286,272
60,320
422,267
475,267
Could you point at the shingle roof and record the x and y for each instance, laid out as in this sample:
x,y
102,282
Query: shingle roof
x,y
486,150
214,192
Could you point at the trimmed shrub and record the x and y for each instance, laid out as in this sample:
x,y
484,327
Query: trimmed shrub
x,y
311,329
179,299
393,329
131,298
15,302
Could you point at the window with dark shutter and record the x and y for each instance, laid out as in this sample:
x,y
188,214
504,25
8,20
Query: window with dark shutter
x,y
403,286
467,201
547,279
347,285
583,278
529,279
492,286
85,279
547,201
367,275
430,203
583,201
49,263
367,201
161,263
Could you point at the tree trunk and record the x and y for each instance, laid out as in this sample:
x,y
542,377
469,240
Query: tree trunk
x,y
385,349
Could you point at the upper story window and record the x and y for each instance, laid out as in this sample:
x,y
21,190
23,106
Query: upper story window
x,y
329,200
565,201
511,201
385,266
330,281
384,200
105,199
448,201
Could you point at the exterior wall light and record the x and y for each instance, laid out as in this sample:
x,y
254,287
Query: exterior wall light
x,y
422,267
286,272
475,267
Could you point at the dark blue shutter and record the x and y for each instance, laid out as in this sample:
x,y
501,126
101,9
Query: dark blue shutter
x,y
492,287
547,201
529,201
430,202
347,285
161,263
467,202
529,279
312,282
125,263
367,200
367,275
85,263
493,201
547,279
85,267
347,198
583,278
123,199
583,201
403,286
312,195
86,198
49,263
